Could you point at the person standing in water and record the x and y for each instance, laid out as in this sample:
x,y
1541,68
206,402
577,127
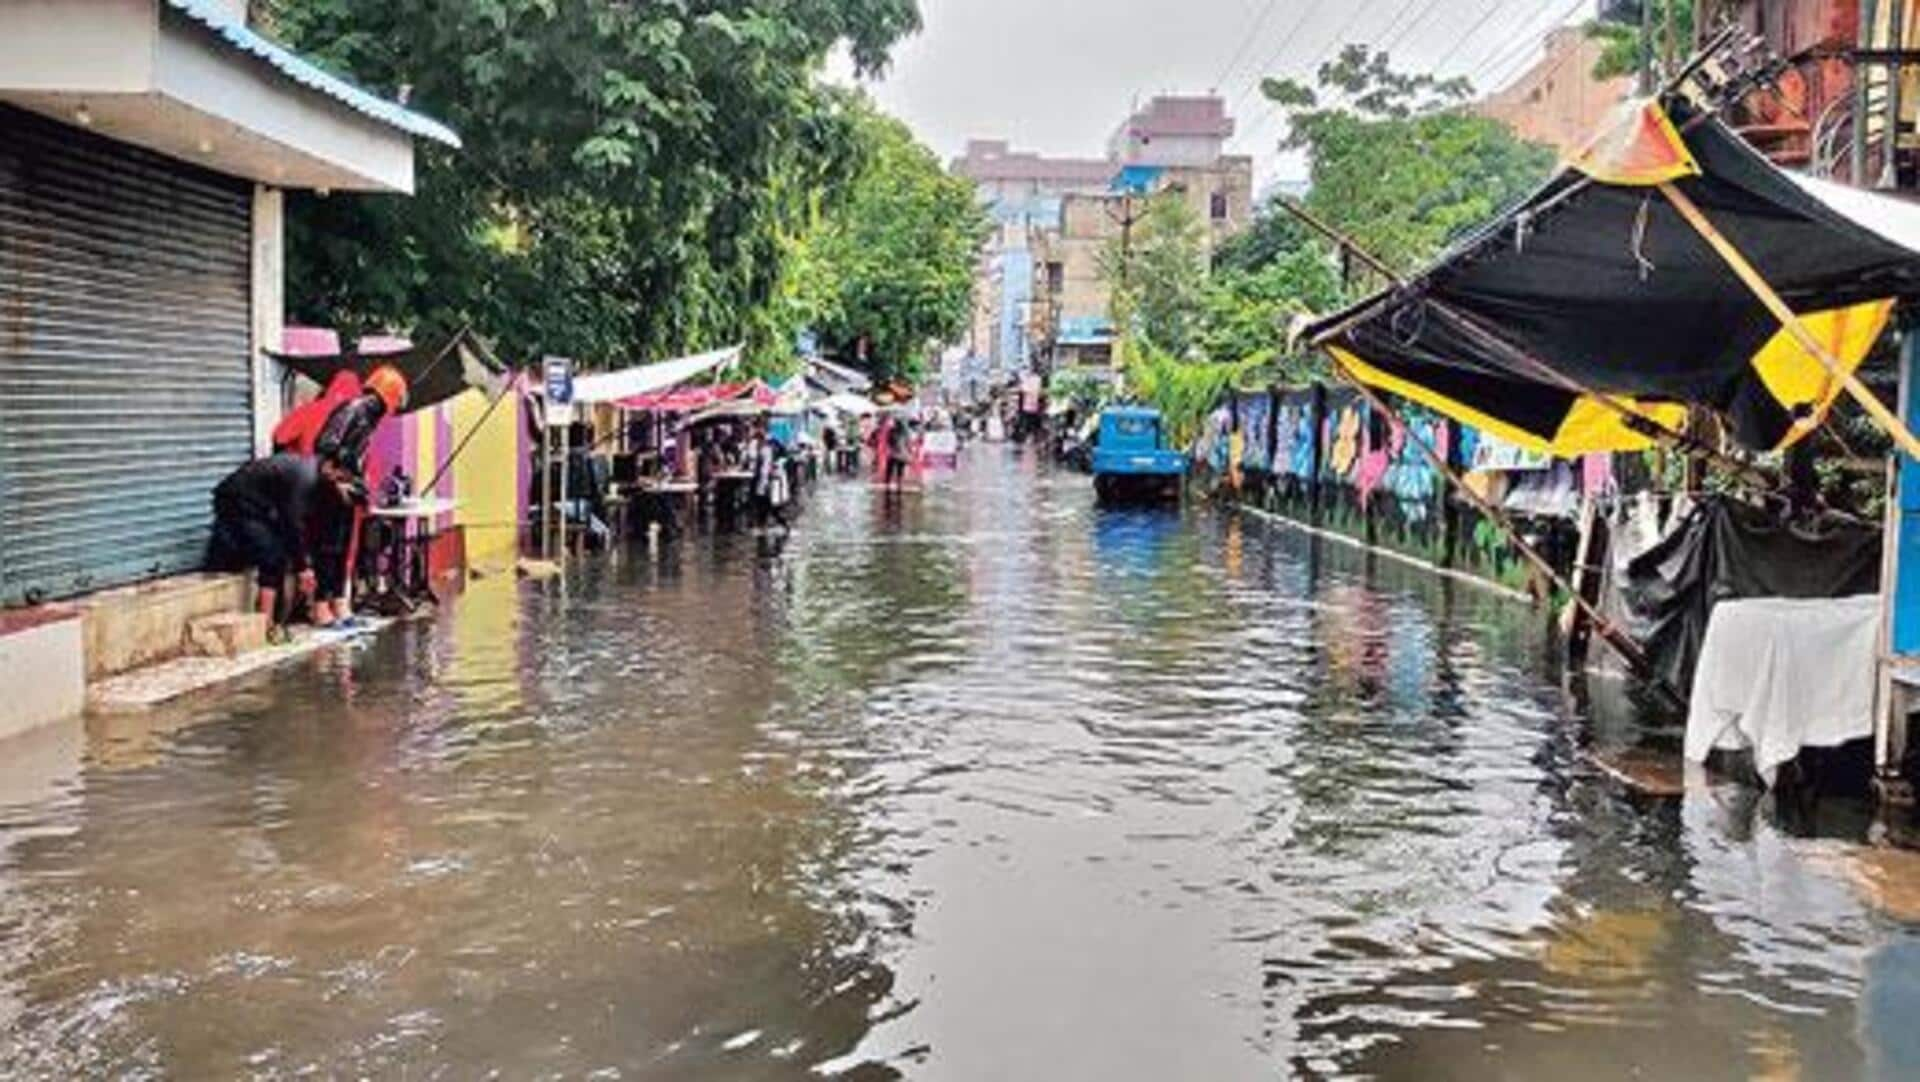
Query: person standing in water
x,y
899,449
343,441
769,478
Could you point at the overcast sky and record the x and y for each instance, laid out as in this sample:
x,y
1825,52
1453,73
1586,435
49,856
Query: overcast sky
x,y
1058,76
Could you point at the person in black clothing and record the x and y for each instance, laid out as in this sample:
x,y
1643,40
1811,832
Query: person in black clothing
x,y
343,441
261,514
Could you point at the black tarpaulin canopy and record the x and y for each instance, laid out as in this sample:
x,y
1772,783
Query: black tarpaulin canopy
x,y
435,371
1591,315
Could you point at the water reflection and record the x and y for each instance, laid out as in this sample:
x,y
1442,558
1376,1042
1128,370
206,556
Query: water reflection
x,y
974,783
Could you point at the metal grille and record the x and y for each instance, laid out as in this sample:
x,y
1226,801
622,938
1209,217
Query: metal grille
x,y
125,386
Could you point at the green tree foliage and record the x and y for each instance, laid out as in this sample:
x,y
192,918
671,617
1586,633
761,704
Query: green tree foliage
x,y
1184,391
635,175
1395,163
1157,275
1620,54
891,264
1248,310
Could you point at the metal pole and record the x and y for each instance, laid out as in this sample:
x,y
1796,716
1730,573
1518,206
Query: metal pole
x,y
1894,641
546,478
1889,169
1646,48
566,469
1858,173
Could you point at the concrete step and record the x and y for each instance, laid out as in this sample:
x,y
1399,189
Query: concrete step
x,y
147,688
227,634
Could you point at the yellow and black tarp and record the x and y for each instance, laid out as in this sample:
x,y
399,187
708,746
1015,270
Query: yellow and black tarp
x,y
1593,303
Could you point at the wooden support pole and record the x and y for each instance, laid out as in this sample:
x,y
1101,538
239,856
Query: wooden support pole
x,y
1622,644
1884,417
1492,340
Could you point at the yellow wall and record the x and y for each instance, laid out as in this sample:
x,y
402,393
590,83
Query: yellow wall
x,y
486,479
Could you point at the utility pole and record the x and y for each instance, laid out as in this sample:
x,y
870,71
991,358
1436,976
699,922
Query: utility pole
x,y
1646,47
1666,53
1126,220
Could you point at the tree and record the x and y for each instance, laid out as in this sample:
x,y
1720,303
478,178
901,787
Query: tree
x,y
1157,275
890,267
1621,44
1247,311
1395,162
633,178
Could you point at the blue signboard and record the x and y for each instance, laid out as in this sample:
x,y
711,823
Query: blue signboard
x,y
559,381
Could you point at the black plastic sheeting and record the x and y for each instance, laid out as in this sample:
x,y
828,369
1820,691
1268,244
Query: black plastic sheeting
x,y
1723,549
435,372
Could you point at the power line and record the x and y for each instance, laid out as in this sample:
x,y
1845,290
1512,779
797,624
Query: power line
x,y
1246,43
1461,42
1509,63
1399,18
1425,10
1335,42
1286,39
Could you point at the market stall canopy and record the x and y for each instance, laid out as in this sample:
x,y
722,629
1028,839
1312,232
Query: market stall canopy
x,y
435,371
739,409
792,396
597,387
836,378
1591,315
850,404
690,399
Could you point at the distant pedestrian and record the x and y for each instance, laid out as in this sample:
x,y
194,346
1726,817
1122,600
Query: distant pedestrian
x,y
899,441
770,484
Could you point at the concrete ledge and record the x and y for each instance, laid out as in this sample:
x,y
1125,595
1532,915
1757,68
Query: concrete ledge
x,y
139,625
42,668
134,692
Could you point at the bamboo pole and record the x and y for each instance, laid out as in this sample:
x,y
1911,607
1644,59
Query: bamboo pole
x,y
1622,644
1884,417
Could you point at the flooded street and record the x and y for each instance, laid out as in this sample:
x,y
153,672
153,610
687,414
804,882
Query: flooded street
x,y
980,785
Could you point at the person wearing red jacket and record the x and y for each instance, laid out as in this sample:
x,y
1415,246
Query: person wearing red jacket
x,y
342,442
299,430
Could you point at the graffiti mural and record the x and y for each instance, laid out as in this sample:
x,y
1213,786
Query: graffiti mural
x,y
1256,428
1367,475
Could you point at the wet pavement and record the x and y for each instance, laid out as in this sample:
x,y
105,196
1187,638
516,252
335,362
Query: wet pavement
x,y
981,784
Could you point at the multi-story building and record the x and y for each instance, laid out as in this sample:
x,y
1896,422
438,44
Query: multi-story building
x,y
1042,297
1557,101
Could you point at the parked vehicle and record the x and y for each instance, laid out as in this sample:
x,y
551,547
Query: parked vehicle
x,y
1131,461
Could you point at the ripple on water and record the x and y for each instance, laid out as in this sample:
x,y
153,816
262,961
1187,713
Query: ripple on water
x,y
981,783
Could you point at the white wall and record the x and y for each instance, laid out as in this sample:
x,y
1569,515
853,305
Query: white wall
x,y
193,70
269,312
57,45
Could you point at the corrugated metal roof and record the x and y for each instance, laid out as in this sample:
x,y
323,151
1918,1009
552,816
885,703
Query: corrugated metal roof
x,y
310,75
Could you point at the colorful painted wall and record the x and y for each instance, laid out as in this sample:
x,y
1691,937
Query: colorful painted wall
x,y
1324,457
488,481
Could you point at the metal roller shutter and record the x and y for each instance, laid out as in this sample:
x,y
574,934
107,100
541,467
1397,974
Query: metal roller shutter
x,y
125,386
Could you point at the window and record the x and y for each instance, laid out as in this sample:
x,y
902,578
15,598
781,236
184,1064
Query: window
x,y
1056,277
1219,206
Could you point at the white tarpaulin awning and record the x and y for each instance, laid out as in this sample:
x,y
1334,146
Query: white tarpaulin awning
x,y
851,404
837,377
600,387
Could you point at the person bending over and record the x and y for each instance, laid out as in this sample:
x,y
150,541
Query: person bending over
x,y
261,514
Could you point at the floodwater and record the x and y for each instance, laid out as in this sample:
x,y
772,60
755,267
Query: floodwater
x,y
984,784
